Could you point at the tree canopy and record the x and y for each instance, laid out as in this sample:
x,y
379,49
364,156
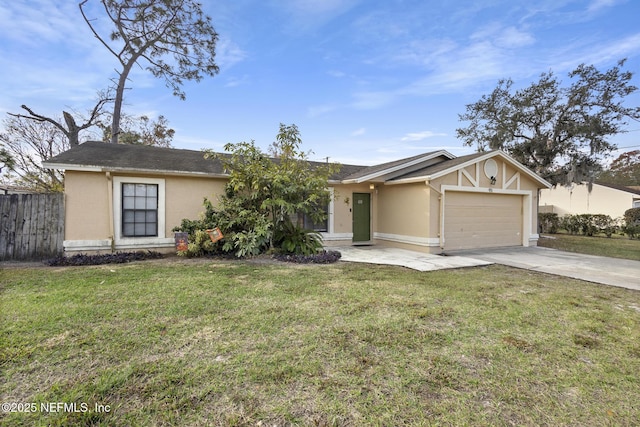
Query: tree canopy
x,y
142,131
266,195
624,170
172,39
560,132
28,143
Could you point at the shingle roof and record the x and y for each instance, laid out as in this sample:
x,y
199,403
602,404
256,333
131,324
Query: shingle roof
x,y
101,156
447,164
123,157
369,170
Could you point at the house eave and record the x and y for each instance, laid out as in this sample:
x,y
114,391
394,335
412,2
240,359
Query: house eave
x,y
132,171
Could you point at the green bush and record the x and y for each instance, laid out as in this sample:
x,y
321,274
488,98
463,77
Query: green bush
x,y
292,239
632,223
549,222
199,244
604,224
571,223
589,225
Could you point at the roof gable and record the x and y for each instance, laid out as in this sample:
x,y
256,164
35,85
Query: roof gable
x,y
386,171
453,165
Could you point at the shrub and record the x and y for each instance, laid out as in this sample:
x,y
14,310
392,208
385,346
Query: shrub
x,y
632,223
116,258
549,222
292,239
199,244
570,223
604,224
589,225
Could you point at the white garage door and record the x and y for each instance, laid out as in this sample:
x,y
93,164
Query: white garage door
x,y
481,220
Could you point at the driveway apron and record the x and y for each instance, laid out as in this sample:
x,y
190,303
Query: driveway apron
x,y
401,257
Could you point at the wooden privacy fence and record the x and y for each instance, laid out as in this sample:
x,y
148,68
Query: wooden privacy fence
x,y
31,226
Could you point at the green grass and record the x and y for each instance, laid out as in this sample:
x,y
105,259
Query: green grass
x,y
239,343
616,246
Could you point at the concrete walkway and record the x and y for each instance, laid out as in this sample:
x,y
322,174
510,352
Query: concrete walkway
x,y
404,258
598,269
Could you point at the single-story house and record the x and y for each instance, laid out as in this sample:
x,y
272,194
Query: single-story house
x,y
128,197
606,199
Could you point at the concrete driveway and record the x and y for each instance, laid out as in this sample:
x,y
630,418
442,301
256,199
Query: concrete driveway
x,y
608,271
410,259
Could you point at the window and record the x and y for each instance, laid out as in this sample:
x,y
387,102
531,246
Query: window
x,y
636,203
317,226
139,210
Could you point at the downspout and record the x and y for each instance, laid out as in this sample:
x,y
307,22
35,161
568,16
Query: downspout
x,y
110,202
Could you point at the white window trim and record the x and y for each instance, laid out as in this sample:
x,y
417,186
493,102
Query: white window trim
x,y
330,234
120,240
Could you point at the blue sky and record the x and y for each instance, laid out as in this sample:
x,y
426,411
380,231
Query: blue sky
x,y
365,81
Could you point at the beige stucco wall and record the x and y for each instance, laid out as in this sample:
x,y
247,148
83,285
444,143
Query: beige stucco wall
x,y
86,206
403,210
185,196
343,205
577,200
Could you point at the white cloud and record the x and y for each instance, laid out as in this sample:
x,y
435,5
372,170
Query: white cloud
x,y
419,136
228,53
320,110
372,100
306,15
358,132
234,81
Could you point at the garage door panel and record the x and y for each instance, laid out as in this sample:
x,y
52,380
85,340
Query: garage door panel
x,y
476,220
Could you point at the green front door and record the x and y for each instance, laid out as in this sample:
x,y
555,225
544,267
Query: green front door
x,y
361,217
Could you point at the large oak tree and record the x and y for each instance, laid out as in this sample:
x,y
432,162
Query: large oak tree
x,y
560,132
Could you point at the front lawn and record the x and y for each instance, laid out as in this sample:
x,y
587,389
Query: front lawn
x,y
193,342
616,246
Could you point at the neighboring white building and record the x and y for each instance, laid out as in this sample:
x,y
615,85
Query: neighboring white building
x,y
607,199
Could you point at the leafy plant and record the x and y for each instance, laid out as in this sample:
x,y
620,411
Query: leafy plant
x,y
632,223
589,225
199,244
296,240
549,222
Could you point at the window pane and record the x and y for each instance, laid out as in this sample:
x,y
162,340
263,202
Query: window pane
x,y
151,230
128,190
128,216
128,202
152,203
139,216
141,190
152,191
139,229
140,203
151,216
128,230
